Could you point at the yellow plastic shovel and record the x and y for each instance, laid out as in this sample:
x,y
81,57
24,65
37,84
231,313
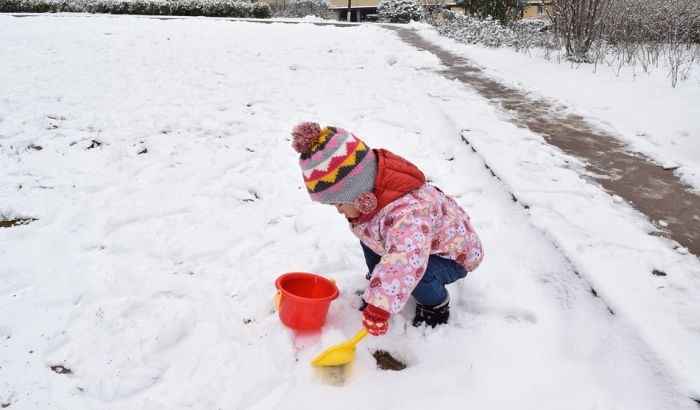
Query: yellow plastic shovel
x,y
340,354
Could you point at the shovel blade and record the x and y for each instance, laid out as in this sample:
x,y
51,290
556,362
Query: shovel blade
x,y
340,354
335,356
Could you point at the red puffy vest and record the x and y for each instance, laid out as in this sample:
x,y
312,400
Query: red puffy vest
x,y
395,178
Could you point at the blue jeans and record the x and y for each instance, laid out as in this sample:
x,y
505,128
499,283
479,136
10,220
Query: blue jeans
x,y
430,290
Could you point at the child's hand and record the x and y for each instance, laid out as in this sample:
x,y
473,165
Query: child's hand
x,y
375,320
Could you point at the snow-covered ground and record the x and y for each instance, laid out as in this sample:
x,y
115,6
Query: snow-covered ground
x,y
168,199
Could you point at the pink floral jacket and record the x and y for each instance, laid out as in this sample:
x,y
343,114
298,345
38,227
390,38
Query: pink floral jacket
x,y
405,233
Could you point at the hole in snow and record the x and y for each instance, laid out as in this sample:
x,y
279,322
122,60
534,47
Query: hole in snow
x,y
386,361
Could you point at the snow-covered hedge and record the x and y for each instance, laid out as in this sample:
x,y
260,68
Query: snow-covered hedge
x,y
303,8
467,29
532,33
399,11
211,8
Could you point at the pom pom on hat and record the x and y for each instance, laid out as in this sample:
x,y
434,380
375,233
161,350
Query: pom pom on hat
x,y
366,202
305,136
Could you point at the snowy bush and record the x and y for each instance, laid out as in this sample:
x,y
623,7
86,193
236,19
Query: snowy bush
x,y
505,11
399,11
470,30
260,10
534,33
212,8
532,26
522,34
302,8
653,21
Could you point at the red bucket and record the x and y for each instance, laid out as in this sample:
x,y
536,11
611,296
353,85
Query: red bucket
x,y
303,299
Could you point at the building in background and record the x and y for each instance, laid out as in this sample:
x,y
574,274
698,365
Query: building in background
x,y
366,10
535,8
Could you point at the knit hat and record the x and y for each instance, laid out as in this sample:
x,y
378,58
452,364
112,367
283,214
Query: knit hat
x,y
337,166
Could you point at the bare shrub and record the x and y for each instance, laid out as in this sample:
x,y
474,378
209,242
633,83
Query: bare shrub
x,y
578,23
654,33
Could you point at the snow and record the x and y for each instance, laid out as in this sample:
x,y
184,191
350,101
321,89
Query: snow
x,y
150,269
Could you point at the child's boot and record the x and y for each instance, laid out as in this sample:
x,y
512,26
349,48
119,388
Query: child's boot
x,y
432,315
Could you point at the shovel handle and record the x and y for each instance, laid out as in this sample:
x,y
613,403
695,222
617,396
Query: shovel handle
x,y
358,336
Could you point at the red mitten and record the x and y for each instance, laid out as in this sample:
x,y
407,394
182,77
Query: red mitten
x,y
375,320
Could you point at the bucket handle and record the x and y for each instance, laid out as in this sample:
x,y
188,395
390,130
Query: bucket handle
x,y
278,299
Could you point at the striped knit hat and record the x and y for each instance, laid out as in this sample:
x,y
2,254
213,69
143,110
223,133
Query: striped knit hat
x,y
337,166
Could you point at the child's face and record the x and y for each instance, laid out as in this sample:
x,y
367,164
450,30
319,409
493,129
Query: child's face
x,y
348,210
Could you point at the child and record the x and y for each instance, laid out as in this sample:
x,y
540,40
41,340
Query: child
x,y
415,238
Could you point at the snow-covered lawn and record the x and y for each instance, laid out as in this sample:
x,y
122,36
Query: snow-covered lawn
x,y
168,199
